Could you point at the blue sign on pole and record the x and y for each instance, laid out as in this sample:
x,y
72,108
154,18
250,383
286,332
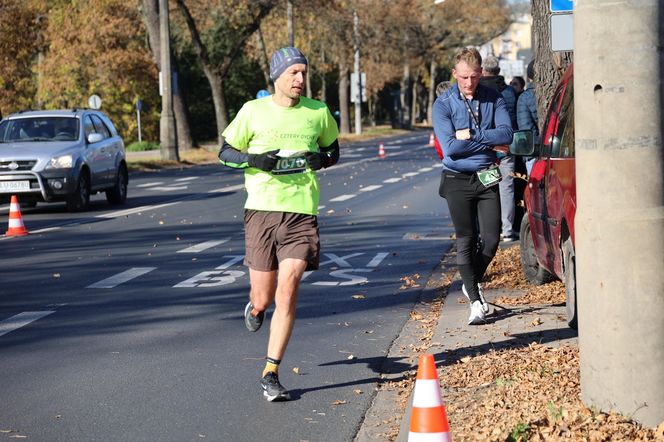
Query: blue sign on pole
x,y
562,5
262,93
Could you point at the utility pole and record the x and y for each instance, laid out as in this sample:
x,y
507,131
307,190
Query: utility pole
x,y
358,98
168,140
291,25
619,222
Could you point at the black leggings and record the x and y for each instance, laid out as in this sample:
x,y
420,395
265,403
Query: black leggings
x,y
472,206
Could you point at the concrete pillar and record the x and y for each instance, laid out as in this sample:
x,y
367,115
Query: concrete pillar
x,y
620,195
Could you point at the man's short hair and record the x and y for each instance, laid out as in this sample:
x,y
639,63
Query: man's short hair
x,y
491,65
471,56
442,87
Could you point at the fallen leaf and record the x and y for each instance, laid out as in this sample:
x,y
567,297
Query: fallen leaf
x,y
358,391
537,321
56,275
296,370
358,296
465,359
350,357
339,402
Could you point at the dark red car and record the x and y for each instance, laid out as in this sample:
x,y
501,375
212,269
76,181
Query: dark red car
x,y
547,232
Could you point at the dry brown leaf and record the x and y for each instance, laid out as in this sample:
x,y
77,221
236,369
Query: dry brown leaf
x,y
296,370
339,402
358,296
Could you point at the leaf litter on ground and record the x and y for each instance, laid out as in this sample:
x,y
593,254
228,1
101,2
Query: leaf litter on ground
x,y
522,394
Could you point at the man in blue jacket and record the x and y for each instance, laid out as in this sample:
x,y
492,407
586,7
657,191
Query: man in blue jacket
x,y
472,123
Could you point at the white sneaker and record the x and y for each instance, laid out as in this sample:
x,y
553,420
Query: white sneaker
x,y
485,306
476,313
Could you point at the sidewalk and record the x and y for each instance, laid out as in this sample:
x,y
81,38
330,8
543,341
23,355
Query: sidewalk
x,y
452,340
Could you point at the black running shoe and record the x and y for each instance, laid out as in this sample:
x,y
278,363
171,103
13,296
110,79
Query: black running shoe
x,y
252,322
272,388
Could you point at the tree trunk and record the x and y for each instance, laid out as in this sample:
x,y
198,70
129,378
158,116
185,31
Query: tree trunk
x,y
432,90
403,95
180,110
220,109
344,109
549,65
263,60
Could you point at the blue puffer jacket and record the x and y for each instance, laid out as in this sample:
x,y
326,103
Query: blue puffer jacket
x,y
526,110
450,114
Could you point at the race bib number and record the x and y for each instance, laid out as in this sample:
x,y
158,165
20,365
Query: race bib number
x,y
290,164
489,177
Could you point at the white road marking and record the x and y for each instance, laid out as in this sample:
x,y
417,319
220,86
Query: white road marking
x,y
343,198
155,183
135,210
46,229
392,180
189,178
203,246
228,189
409,174
425,169
118,279
371,188
21,320
377,259
169,189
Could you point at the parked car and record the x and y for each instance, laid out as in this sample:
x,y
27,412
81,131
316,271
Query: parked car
x,y
547,232
61,155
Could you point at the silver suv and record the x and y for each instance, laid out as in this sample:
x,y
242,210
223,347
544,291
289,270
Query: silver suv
x,y
61,155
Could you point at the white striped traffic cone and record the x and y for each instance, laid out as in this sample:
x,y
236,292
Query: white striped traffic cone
x,y
16,227
428,419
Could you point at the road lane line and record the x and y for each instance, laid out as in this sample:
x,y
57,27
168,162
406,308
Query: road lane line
x,y
21,320
135,210
409,174
118,279
371,188
154,183
343,198
169,189
197,248
425,169
392,180
189,178
228,189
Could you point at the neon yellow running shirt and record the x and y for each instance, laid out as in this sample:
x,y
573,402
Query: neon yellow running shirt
x,y
262,125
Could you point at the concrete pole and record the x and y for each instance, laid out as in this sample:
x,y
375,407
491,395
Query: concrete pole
x,y
620,195
168,140
358,99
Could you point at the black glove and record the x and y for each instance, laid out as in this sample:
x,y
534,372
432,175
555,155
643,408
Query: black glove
x,y
317,160
263,161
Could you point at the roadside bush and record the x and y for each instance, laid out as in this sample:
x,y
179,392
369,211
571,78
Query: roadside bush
x,y
143,145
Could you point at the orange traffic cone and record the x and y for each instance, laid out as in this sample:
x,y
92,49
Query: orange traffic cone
x,y
381,150
431,139
16,227
428,420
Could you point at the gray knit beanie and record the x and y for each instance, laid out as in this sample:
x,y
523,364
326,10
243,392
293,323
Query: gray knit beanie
x,y
283,58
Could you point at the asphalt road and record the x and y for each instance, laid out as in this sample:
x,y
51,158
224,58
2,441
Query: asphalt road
x,y
126,323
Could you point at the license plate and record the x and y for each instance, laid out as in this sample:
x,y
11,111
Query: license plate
x,y
14,185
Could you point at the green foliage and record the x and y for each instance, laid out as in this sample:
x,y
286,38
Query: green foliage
x,y
142,146
519,433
